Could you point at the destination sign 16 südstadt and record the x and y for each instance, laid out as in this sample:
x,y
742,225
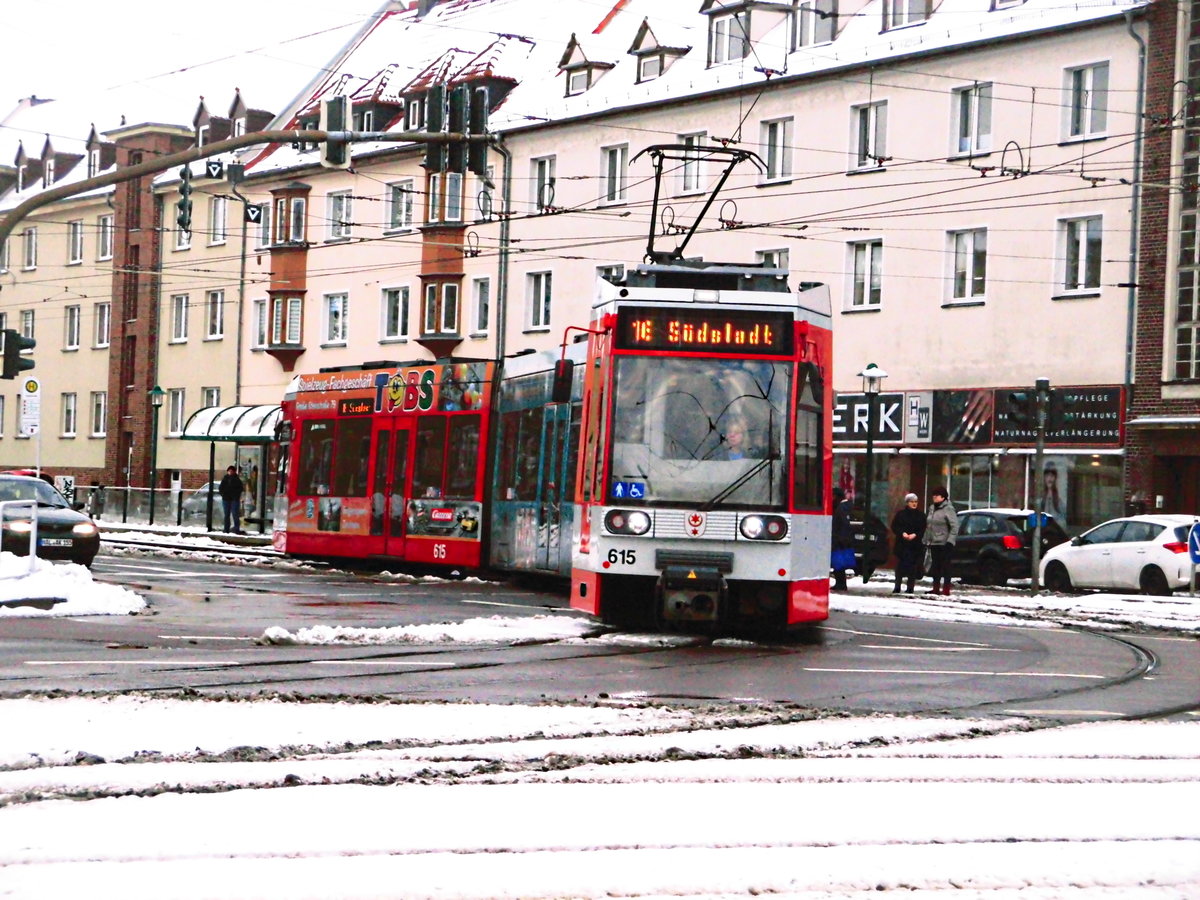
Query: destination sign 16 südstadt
x,y
764,333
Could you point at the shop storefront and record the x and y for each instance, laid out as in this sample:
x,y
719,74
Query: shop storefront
x,y
967,441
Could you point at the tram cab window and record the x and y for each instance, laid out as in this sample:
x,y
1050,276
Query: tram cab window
x,y
353,450
316,457
809,428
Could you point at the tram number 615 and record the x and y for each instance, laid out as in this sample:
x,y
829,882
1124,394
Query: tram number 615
x,y
622,557
439,551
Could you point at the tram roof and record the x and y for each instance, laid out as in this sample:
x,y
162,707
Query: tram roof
x,y
242,424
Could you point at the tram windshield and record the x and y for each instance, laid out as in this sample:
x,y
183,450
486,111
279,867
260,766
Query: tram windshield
x,y
702,432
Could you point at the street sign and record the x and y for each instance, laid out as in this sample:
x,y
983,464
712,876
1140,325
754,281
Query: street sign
x,y
253,213
1033,520
30,413
1194,544
214,168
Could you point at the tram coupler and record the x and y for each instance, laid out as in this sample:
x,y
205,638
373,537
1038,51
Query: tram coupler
x,y
691,594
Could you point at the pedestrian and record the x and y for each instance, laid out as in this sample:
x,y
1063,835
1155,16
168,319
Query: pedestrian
x,y
941,530
908,527
231,498
96,500
842,555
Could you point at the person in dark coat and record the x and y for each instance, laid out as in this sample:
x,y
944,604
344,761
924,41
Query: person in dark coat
x,y
231,498
843,534
908,527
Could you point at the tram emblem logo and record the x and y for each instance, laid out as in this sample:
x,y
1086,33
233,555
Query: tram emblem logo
x,y
695,524
407,391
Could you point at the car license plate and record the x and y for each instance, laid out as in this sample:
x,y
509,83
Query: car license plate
x,y
54,542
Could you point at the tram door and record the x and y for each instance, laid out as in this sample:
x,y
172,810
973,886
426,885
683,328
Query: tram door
x,y
556,427
390,482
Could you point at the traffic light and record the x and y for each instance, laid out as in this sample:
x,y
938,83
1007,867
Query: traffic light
x,y
1063,411
183,206
14,343
334,116
477,121
435,120
456,123
1022,409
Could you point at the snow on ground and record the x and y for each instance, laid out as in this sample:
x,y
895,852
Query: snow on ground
x,y
60,589
150,797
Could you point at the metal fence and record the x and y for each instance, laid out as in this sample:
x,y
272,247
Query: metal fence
x,y
171,507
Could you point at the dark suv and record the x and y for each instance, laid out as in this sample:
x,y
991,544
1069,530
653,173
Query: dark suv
x,y
994,545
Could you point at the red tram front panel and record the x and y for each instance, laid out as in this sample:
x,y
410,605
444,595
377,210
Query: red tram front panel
x,y
703,486
388,463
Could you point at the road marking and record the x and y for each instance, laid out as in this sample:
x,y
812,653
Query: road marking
x,y
376,662
906,638
1063,712
134,662
940,649
201,637
952,672
520,606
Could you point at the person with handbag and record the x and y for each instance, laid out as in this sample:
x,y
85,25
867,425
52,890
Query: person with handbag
x,y
908,527
842,555
941,530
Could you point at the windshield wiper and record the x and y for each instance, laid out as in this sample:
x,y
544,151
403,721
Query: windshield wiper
x,y
740,480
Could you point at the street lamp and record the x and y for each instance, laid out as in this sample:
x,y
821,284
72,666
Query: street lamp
x,y
872,380
156,402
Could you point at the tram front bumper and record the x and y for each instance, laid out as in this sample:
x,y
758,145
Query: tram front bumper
x,y
691,593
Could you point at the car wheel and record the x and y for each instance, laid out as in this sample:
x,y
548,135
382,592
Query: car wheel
x,y
1058,579
1153,581
992,572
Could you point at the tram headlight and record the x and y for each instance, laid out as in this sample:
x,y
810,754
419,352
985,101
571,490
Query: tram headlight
x,y
622,521
763,528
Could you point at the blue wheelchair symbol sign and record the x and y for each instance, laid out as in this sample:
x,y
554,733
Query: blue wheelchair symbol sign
x,y
633,490
1194,544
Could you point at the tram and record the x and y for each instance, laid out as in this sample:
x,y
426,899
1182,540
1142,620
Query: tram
x,y
672,458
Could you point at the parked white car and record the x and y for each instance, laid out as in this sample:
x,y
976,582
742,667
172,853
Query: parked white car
x,y
1136,553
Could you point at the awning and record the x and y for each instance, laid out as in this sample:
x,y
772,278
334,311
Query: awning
x,y
1164,422
242,424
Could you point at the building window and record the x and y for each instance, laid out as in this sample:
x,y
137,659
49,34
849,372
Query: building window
x,y
210,397
2,408
214,314
440,315
28,324
71,336
264,225
615,161
179,318
578,80
175,419
395,313
4,255
99,423
777,149
340,211
811,22
969,259
866,267
289,220
649,67
286,320
1087,101
540,288
454,198
614,273
400,206
691,169
258,324
543,182
29,248
75,242
93,162
183,239
70,414
48,173
773,259
481,301
973,119
898,13
870,134
218,220
336,309
1082,240
102,312
104,228
728,38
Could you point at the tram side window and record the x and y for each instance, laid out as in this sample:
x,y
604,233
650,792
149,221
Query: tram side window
x,y
429,464
353,448
464,452
809,428
519,454
316,457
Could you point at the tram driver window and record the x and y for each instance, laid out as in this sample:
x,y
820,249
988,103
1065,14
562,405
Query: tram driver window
x,y
808,467
429,463
316,457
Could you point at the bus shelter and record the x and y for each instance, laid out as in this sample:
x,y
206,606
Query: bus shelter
x,y
252,430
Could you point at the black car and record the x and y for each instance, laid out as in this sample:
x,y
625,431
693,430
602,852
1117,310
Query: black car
x,y
62,532
994,545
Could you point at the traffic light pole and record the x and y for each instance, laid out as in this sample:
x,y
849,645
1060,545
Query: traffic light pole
x,y
1042,401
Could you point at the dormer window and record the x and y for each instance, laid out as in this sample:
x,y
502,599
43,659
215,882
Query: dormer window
x,y
364,120
93,162
578,81
900,13
653,55
21,167
650,67
581,72
239,126
812,22
201,135
48,173
415,116
728,37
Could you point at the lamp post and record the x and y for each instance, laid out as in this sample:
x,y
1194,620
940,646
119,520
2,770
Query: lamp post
x,y
156,402
872,380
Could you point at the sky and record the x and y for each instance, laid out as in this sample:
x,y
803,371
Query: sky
x,y
139,796
76,47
